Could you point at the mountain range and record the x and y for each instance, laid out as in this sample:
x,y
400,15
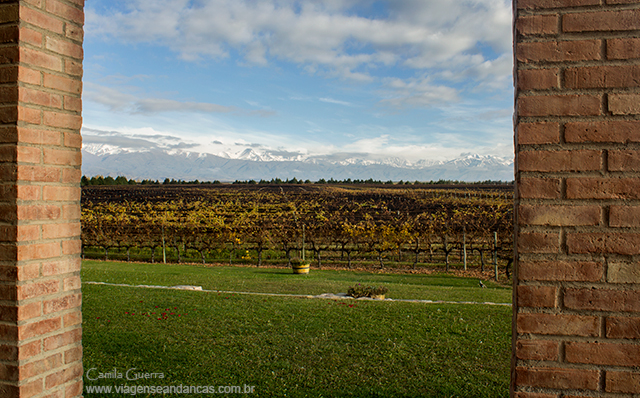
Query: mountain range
x,y
252,164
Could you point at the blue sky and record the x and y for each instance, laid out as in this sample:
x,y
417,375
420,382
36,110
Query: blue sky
x,y
414,79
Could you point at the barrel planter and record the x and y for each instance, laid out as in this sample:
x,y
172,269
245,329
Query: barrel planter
x,y
301,269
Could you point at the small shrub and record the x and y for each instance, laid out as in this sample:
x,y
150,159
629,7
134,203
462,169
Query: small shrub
x,y
366,291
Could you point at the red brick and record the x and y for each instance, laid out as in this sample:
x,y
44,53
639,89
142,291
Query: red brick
x,y
9,114
73,355
73,68
38,289
29,350
28,192
41,366
9,372
602,21
563,51
31,36
10,55
71,212
29,154
558,378
70,247
64,376
74,32
41,20
546,161
62,267
618,131
74,389
9,134
63,339
623,328
538,79
8,233
602,77
38,174
28,233
72,283
537,296
64,47
540,4
62,157
9,13
602,353
603,188
61,83
559,215
534,242
71,176
623,160
623,48
613,243
622,382
64,11
8,352
38,251
8,154
557,324
72,103
624,104
63,120
74,318
559,105
538,133
537,25
40,98
28,272
40,59
57,231
30,76
623,272
8,292
602,300
41,212
29,115
62,304
8,313
29,311
39,328
41,137
61,193
624,216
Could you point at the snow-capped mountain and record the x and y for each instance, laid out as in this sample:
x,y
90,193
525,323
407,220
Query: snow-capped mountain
x,y
253,163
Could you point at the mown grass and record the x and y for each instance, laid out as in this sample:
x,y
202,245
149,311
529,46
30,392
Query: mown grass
x,y
281,280
293,347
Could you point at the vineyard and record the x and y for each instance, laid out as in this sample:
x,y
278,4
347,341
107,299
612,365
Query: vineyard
x,y
345,226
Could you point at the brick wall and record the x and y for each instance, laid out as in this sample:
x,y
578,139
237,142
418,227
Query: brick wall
x,y
40,119
577,286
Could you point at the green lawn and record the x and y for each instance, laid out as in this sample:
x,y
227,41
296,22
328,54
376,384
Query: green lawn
x,y
281,280
295,347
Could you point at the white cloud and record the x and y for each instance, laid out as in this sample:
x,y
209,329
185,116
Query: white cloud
x,y
119,100
322,36
335,101
417,93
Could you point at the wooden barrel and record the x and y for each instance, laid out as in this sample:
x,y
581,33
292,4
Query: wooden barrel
x,y
300,268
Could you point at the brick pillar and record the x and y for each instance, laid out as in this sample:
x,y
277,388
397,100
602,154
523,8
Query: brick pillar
x,y
40,119
577,284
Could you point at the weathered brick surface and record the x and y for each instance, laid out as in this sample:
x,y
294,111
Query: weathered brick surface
x,y
623,272
564,271
537,350
578,224
623,328
559,215
553,324
602,300
560,105
622,382
602,353
557,378
40,86
538,133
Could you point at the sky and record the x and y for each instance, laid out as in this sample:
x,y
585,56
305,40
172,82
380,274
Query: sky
x,y
414,79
